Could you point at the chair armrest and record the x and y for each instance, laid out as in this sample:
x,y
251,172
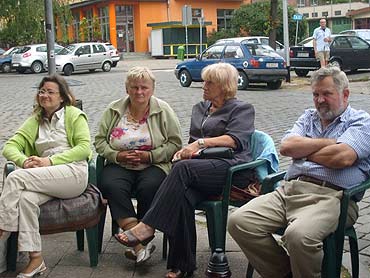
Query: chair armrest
x,y
270,180
92,172
9,167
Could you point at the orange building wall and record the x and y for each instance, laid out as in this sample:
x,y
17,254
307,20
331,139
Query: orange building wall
x,y
209,9
144,13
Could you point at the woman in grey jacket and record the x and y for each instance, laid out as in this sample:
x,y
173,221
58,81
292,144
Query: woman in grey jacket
x,y
138,135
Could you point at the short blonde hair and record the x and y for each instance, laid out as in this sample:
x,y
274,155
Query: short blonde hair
x,y
137,73
223,74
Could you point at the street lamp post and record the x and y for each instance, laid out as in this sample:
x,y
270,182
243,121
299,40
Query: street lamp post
x,y
50,37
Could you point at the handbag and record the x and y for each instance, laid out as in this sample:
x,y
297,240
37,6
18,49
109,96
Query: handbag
x,y
215,152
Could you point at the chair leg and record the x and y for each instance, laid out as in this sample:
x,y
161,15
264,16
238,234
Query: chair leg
x,y
215,227
250,271
328,268
12,252
353,245
164,246
92,241
101,225
80,237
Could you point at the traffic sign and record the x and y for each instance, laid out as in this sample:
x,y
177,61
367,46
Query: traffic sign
x,y
297,17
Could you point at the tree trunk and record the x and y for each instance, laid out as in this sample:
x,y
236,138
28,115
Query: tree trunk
x,y
273,23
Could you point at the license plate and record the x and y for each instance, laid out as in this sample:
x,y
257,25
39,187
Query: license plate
x,y
15,65
271,65
303,54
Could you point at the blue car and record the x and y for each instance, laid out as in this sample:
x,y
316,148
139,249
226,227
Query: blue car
x,y
6,59
256,63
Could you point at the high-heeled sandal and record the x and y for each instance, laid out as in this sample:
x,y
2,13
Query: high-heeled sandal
x,y
178,274
132,240
37,271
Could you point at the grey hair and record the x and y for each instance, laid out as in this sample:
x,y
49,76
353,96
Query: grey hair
x,y
339,77
137,73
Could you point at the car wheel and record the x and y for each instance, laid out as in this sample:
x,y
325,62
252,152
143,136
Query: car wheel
x,y
274,85
335,63
185,78
68,69
106,66
243,81
37,67
21,70
6,67
114,64
301,72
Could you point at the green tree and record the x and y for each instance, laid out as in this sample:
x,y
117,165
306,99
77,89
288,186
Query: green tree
x,y
23,22
96,29
256,20
63,18
84,29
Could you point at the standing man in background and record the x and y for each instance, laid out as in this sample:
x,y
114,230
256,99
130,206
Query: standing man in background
x,y
321,42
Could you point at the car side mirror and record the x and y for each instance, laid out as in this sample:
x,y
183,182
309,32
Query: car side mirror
x,y
198,57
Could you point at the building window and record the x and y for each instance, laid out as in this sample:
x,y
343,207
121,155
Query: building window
x,y
314,14
324,14
195,14
300,4
89,18
224,19
104,24
306,15
76,26
337,12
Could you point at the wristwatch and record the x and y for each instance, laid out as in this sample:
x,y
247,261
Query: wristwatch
x,y
201,143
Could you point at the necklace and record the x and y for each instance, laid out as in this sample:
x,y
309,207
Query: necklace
x,y
134,123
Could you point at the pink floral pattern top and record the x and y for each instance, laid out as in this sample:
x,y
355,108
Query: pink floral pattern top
x,y
130,134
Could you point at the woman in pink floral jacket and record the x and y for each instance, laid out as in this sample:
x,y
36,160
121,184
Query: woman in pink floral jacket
x,y
138,135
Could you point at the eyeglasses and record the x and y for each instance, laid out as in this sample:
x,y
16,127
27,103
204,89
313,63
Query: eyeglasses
x,y
46,92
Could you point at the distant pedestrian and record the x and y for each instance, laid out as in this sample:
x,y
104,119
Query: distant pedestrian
x,y
321,42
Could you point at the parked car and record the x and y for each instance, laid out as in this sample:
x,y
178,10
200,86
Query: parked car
x,y
348,52
254,62
83,56
33,57
114,54
362,33
6,59
256,39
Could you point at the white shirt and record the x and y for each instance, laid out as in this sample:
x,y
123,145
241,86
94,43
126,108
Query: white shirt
x,y
319,34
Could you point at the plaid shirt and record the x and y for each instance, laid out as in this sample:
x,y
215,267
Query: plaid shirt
x,y
352,127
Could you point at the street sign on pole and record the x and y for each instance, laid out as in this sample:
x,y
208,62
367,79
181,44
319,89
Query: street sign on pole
x,y
187,19
297,17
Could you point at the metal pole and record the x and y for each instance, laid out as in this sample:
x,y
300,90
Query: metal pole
x,y
50,37
296,32
286,37
186,41
200,34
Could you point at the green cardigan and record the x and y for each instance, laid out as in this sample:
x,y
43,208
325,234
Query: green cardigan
x,y
22,145
164,129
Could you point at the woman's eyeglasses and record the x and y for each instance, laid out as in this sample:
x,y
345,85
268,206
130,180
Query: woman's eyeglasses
x,y
46,92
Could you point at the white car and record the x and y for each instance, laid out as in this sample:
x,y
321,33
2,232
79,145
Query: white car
x,y
83,56
362,33
113,53
33,57
256,39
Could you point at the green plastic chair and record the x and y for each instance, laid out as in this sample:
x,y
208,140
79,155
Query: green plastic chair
x,y
91,233
333,244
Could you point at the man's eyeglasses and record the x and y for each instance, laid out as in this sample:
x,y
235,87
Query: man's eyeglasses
x,y
46,92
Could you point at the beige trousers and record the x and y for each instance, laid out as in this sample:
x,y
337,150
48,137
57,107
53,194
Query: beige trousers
x,y
25,190
308,211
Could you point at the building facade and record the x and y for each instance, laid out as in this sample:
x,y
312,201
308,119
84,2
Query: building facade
x,y
124,23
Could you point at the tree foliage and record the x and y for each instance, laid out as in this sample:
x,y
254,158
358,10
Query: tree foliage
x,y
22,22
63,18
256,20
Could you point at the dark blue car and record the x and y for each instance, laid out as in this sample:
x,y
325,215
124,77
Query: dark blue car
x,y
6,59
256,63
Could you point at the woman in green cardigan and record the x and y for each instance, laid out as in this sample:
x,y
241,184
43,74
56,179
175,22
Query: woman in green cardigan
x,y
51,149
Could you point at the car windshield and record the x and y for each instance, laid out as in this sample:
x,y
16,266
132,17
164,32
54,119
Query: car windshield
x,y
67,50
262,50
11,51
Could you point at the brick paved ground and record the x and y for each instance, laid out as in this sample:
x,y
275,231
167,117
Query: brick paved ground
x,y
276,111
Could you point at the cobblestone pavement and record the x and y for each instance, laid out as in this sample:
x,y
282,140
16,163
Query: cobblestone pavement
x,y
276,111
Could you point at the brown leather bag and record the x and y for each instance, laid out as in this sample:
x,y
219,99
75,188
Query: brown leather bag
x,y
253,190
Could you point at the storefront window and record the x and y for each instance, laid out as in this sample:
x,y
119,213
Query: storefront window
x,y
89,17
76,26
125,28
104,24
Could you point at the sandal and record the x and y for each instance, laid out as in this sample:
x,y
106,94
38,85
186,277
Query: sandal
x,y
177,273
145,254
132,240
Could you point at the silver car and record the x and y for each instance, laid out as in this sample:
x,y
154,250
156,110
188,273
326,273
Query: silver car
x,y
83,56
113,53
32,57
